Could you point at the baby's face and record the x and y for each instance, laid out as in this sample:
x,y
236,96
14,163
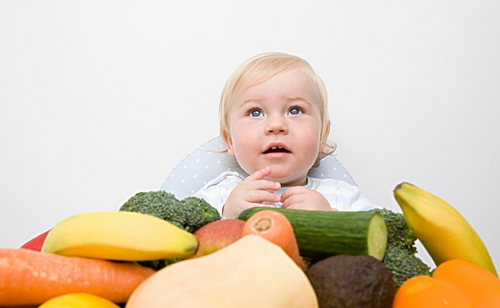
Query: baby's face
x,y
277,123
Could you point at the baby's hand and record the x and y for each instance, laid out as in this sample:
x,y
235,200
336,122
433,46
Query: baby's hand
x,y
251,193
301,198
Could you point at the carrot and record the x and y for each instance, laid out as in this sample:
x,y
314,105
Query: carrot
x,y
29,277
477,283
276,228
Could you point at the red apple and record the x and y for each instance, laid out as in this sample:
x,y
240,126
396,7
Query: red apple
x,y
36,243
217,235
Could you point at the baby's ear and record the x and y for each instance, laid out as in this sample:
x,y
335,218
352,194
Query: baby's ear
x,y
226,137
324,137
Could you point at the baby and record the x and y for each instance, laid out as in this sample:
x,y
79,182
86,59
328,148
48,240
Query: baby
x,y
274,120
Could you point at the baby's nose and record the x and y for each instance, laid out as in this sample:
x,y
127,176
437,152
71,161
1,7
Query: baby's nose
x,y
276,125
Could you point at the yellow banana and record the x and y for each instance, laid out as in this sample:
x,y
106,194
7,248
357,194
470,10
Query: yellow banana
x,y
78,300
443,231
120,235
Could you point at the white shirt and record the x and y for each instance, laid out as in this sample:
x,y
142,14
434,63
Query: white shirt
x,y
341,195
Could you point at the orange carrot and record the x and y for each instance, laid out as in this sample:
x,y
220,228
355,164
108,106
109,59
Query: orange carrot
x,y
29,277
276,228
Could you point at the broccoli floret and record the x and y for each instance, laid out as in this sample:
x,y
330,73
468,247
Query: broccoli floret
x,y
198,213
404,265
400,256
189,214
399,233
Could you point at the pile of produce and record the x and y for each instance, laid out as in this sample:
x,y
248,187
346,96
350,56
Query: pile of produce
x,y
158,251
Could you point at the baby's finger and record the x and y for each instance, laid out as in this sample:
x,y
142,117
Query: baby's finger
x,y
266,185
296,190
259,174
259,196
290,201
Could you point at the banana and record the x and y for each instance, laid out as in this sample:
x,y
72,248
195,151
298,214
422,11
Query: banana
x,y
443,231
126,236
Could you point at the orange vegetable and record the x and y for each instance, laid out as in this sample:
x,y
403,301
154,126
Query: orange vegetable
x,y
29,277
427,292
454,283
276,228
477,283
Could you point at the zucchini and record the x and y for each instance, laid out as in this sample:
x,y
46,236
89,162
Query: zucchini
x,y
321,234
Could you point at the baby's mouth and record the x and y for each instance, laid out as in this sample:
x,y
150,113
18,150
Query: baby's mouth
x,y
276,149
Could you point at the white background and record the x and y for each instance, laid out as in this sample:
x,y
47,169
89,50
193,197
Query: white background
x,y
100,100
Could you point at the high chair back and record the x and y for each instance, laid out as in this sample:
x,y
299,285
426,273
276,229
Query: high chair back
x,y
209,160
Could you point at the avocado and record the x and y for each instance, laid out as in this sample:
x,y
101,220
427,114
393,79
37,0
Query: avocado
x,y
348,281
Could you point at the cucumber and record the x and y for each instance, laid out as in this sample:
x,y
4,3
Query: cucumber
x,y
321,234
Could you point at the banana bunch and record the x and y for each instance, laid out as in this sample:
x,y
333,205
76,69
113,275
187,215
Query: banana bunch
x,y
443,231
127,236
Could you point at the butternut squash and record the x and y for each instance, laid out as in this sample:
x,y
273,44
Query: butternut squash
x,y
251,272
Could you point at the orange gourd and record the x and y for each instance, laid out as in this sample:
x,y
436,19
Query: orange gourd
x,y
477,283
454,283
427,292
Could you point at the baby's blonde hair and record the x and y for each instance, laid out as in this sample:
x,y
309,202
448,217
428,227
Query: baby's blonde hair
x,y
261,68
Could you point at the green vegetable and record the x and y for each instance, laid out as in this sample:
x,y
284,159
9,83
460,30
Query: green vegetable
x,y
401,254
189,214
321,234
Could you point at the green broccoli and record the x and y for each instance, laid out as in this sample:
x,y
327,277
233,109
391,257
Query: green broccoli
x,y
199,213
400,256
189,214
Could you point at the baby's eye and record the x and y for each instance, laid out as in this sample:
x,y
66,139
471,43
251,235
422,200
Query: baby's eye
x,y
255,113
295,110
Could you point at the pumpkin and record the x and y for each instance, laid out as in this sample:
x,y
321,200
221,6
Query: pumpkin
x,y
251,272
454,283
